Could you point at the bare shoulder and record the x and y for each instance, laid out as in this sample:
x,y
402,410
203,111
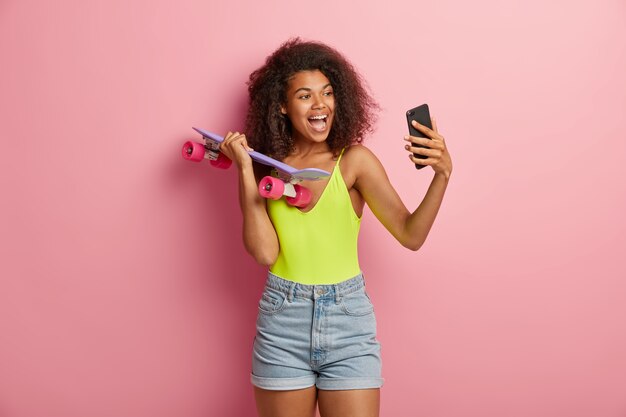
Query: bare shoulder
x,y
361,157
361,163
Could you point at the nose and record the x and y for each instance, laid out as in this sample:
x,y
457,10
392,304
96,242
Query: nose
x,y
318,102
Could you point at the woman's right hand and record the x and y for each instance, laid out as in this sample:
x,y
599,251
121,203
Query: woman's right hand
x,y
235,147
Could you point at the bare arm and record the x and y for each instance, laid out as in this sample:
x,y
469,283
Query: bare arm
x,y
259,235
410,229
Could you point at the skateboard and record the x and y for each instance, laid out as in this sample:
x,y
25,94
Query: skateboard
x,y
286,182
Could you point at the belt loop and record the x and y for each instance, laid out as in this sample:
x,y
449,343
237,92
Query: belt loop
x,y
292,290
337,295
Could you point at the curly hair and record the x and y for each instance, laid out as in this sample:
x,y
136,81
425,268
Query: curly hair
x,y
269,132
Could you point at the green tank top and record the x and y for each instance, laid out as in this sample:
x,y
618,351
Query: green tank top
x,y
319,246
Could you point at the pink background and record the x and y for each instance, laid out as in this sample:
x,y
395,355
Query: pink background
x,y
125,289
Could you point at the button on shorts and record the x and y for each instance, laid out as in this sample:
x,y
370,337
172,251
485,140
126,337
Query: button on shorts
x,y
322,335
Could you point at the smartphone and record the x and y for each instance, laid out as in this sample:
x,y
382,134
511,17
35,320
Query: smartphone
x,y
422,116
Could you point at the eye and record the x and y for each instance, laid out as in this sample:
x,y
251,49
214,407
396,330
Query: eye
x,y
328,93
305,96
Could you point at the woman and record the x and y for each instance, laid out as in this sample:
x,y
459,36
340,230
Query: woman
x,y
316,331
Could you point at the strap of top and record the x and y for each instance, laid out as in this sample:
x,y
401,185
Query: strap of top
x,y
340,155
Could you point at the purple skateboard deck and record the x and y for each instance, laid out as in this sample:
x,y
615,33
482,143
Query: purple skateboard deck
x,y
286,172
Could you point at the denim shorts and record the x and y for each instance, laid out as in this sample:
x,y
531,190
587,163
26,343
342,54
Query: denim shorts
x,y
322,335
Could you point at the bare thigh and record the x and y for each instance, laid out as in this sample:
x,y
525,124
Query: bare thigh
x,y
349,403
294,403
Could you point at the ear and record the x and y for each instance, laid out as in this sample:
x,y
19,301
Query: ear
x,y
283,109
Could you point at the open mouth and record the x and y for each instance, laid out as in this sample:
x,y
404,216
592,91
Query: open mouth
x,y
318,123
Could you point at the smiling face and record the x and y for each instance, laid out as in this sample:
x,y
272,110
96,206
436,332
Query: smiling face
x,y
310,106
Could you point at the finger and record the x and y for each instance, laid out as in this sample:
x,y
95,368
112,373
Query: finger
x,y
427,131
231,137
434,124
419,161
227,138
435,153
241,138
418,140
241,141
431,143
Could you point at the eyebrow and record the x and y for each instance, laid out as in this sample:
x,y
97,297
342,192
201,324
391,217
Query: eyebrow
x,y
308,89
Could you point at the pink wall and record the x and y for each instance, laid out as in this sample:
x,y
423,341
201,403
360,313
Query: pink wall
x,y
125,289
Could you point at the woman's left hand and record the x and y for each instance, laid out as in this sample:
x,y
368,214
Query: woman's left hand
x,y
436,151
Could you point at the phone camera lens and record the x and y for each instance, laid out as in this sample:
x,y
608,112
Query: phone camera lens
x,y
410,112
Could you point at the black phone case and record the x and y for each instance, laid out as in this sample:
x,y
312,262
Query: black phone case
x,y
422,116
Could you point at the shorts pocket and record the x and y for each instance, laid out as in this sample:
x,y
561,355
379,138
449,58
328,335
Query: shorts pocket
x,y
357,303
272,301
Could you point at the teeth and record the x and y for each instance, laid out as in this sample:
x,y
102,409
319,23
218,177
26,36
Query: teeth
x,y
322,116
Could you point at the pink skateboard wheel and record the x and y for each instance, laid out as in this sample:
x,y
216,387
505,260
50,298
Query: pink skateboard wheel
x,y
302,198
222,162
193,151
271,187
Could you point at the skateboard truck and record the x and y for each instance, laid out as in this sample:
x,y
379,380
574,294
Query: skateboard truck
x,y
196,152
274,188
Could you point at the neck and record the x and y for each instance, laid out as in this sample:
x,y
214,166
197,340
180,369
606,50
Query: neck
x,y
303,147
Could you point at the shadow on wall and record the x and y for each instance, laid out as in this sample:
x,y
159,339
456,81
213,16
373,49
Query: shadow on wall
x,y
221,273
